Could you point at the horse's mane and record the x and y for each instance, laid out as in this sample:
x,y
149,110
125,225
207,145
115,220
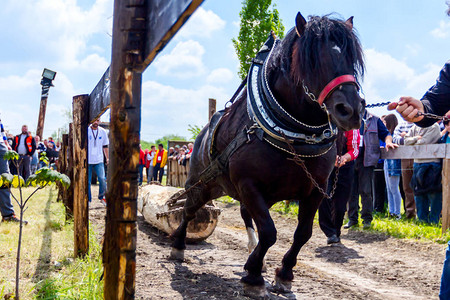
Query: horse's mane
x,y
303,56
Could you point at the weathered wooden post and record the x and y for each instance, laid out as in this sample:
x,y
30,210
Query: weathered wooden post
x,y
80,179
46,82
119,252
211,107
446,190
141,29
70,167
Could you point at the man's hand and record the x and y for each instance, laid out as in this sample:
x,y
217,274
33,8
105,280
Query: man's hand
x,y
390,145
403,134
408,108
342,160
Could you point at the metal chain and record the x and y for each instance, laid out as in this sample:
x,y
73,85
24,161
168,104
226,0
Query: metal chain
x,y
426,115
301,163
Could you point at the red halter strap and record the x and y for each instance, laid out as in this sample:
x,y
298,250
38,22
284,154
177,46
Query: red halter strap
x,y
333,84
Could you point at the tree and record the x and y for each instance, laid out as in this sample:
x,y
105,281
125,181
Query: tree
x,y
170,137
257,21
194,130
41,179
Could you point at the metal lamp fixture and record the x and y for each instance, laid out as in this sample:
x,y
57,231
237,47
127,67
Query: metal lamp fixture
x,y
49,74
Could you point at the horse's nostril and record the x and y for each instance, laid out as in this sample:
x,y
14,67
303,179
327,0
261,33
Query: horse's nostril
x,y
343,110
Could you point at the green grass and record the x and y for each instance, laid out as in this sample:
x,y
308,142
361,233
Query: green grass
x,y
79,280
47,270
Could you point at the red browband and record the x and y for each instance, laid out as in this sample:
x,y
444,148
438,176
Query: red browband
x,y
333,84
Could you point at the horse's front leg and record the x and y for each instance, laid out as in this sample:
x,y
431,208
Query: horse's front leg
x,y
306,212
196,198
267,234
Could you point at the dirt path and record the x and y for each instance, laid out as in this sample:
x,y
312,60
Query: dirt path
x,y
363,266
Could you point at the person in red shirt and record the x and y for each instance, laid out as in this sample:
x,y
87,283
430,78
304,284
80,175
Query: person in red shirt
x,y
332,210
159,162
141,164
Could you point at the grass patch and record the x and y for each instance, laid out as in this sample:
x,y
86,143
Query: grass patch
x,y
47,269
78,280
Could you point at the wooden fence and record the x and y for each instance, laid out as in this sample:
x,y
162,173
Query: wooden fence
x,y
176,173
429,151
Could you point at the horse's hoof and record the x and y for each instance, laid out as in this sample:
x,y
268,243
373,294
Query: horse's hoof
x,y
177,254
255,291
281,286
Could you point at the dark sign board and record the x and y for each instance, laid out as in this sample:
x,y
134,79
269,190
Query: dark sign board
x,y
99,99
164,19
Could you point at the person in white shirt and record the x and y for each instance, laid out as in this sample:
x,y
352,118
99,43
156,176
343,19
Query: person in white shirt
x,y
98,143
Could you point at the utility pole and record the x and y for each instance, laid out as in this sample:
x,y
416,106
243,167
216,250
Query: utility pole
x,y
47,77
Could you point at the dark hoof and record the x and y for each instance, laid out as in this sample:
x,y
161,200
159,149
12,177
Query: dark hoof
x,y
177,254
281,286
255,291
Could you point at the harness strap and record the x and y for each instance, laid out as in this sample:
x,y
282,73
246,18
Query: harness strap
x,y
218,166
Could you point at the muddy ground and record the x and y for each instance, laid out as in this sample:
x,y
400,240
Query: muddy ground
x,y
364,266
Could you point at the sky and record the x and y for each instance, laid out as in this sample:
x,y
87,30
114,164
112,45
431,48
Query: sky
x,y
404,45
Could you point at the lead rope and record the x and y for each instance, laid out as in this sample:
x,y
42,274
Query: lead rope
x,y
426,115
299,161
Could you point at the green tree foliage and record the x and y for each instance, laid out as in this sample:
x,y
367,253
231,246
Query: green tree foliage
x,y
170,137
258,19
194,130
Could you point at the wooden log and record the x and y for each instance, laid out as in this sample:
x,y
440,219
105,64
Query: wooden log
x,y
211,108
99,99
80,180
445,194
155,205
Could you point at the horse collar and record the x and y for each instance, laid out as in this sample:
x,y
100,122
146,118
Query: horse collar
x,y
271,117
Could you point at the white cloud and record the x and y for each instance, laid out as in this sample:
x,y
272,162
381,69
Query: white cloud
x,y
61,28
203,23
169,110
221,75
443,31
388,78
184,61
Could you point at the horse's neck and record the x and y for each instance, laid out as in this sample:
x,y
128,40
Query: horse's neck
x,y
293,99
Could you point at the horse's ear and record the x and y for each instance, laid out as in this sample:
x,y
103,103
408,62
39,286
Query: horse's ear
x,y
300,23
349,23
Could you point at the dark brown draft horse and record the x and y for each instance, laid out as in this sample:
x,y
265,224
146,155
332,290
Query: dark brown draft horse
x,y
300,91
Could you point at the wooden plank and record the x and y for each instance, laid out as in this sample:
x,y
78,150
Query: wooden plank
x,y
445,194
417,151
164,19
80,180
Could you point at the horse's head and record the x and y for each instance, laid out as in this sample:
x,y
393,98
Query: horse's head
x,y
326,61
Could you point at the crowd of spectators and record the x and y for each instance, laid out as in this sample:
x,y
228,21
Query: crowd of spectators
x,y
31,151
154,160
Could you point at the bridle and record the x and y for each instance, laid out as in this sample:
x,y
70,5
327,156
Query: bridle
x,y
330,88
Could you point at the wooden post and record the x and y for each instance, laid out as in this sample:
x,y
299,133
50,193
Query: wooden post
x,y
41,118
69,191
211,108
62,166
80,180
119,252
446,192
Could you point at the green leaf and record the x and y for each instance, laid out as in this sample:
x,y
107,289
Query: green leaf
x,y
17,181
31,180
11,155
